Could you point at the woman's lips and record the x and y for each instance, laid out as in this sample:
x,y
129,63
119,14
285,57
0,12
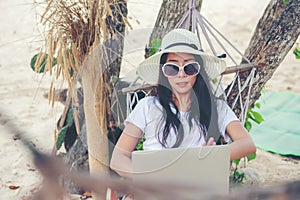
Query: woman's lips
x,y
182,84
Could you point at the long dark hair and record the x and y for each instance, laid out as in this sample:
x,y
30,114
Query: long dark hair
x,y
203,108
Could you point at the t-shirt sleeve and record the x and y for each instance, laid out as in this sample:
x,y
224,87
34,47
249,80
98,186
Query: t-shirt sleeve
x,y
226,115
139,113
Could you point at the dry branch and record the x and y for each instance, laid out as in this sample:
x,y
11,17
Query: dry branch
x,y
155,189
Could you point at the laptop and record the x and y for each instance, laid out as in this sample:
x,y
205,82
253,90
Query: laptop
x,y
207,165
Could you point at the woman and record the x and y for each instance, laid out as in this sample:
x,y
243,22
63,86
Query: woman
x,y
185,110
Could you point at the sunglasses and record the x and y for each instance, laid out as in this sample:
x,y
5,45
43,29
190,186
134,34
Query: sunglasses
x,y
190,69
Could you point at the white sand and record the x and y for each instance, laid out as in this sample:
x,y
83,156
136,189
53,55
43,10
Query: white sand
x,y
22,90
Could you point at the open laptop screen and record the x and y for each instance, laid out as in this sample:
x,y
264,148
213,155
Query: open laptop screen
x,y
207,165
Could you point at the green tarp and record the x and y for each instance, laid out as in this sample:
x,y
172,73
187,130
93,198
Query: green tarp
x,y
280,132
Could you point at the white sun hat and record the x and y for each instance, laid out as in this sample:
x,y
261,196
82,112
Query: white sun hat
x,y
180,41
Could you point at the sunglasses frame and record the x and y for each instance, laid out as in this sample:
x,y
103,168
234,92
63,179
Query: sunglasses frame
x,y
181,68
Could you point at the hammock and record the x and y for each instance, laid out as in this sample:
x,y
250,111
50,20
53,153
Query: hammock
x,y
219,46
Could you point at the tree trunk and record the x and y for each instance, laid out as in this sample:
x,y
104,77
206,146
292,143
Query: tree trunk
x,y
110,55
95,117
96,90
170,13
275,35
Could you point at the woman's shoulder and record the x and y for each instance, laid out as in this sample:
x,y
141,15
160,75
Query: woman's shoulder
x,y
146,108
222,105
149,100
220,101
148,103
224,110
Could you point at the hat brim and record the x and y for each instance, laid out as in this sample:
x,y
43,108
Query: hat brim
x,y
148,70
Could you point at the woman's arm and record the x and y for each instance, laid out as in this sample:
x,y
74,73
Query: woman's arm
x,y
242,144
121,157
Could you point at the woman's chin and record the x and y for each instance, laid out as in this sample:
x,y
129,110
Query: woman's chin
x,y
183,90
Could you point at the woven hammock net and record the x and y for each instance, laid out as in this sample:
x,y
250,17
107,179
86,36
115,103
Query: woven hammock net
x,y
217,45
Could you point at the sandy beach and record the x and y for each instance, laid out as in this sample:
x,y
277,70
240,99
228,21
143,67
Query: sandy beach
x,y
23,104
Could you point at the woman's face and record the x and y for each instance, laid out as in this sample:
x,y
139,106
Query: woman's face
x,y
181,83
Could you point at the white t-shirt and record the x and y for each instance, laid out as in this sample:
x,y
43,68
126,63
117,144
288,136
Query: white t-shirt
x,y
147,115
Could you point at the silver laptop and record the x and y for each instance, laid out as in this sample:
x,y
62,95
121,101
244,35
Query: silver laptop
x,y
208,165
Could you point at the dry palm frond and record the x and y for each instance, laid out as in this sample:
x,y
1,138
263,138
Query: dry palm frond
x,y
73,29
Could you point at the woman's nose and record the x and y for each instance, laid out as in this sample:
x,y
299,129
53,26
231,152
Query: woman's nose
x,y
181,73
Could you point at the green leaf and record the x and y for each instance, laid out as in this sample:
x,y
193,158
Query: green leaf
x,y
255,116
296,52
61,136
237,178
257,105
215,80
285,1
155,44
236,161
70,117
251,157
139,146
248,126
42,66
63,131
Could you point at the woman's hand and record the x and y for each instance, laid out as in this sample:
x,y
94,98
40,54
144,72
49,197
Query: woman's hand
x,y
210,142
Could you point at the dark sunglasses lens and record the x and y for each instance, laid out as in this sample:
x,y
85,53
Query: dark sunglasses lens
x,y
191,69
171,70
